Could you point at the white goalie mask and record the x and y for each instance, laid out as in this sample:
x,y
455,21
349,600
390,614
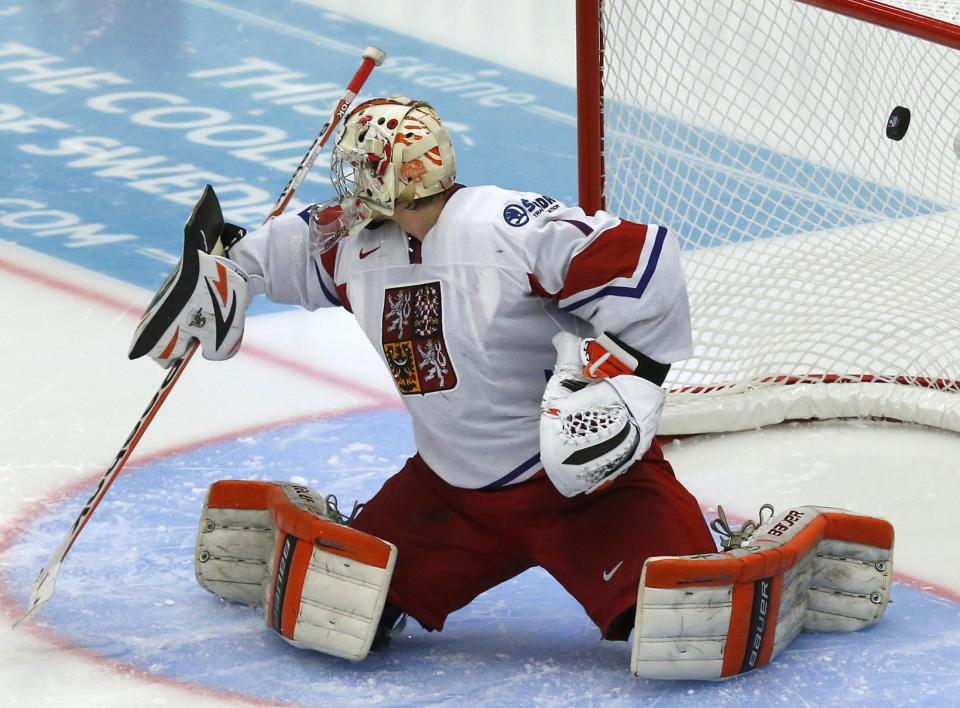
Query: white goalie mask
x,y
390,151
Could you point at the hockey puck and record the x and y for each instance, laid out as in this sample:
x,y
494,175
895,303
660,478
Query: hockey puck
x,y
898,122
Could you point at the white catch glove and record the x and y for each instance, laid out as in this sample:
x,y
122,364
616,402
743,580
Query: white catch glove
x,y
322,585
204,298
717,615
592,430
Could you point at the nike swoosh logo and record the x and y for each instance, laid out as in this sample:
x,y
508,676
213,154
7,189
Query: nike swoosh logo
x,y
364,254
607,574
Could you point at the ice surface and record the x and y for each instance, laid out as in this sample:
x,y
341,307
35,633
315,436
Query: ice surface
x,y
130,595
307,398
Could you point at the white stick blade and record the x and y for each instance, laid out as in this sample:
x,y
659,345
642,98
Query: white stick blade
x,y
42,591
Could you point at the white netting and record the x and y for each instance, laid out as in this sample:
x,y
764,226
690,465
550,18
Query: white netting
x,y
588,424
945,10
817,249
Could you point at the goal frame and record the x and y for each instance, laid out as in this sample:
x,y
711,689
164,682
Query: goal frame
x,y
931,400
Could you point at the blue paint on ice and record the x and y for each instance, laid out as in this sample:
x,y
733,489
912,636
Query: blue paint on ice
x,y
127,592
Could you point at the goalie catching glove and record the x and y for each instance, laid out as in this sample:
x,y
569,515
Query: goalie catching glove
x,y
597,417
205,298
718,615
323,585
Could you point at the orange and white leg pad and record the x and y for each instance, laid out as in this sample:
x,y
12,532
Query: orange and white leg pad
x,y
718,615
322,585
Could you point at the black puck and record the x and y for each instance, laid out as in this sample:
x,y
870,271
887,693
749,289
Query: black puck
x,y
898,122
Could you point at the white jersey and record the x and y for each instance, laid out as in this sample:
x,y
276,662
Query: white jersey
x,y
464,320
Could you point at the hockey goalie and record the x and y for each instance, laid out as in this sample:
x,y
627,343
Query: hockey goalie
x,y
529,342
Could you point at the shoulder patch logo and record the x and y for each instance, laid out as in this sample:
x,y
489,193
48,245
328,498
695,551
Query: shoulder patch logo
x,y
520,214
412,337
515,215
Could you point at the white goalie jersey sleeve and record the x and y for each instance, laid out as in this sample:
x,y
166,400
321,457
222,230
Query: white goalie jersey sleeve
x,y
278,261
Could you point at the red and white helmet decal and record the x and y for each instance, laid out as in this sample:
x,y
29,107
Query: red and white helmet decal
x,y
391,150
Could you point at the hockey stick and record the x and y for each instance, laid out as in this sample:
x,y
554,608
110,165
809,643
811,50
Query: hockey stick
x,y
371,57
45,583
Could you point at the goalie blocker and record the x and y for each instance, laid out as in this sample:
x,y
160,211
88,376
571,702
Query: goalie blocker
x,y
204,298
718,615
323,585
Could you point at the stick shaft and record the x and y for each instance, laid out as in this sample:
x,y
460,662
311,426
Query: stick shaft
x,y
44,585
370,60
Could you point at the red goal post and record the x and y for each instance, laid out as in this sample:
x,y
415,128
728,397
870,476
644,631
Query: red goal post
x,y
821,243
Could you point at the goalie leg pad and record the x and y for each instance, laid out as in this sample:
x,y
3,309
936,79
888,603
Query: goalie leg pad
x,y
322,585
329,587
718,615
235,541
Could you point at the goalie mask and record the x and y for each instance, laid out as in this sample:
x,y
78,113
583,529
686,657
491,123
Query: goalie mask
x,y
391,150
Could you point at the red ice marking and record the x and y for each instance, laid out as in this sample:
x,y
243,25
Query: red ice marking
x,y
384,399
924,586
27,516
194,689
13,609
38,277
10,531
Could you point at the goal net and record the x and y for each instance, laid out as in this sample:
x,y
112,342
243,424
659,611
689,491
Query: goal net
x,y
820,228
